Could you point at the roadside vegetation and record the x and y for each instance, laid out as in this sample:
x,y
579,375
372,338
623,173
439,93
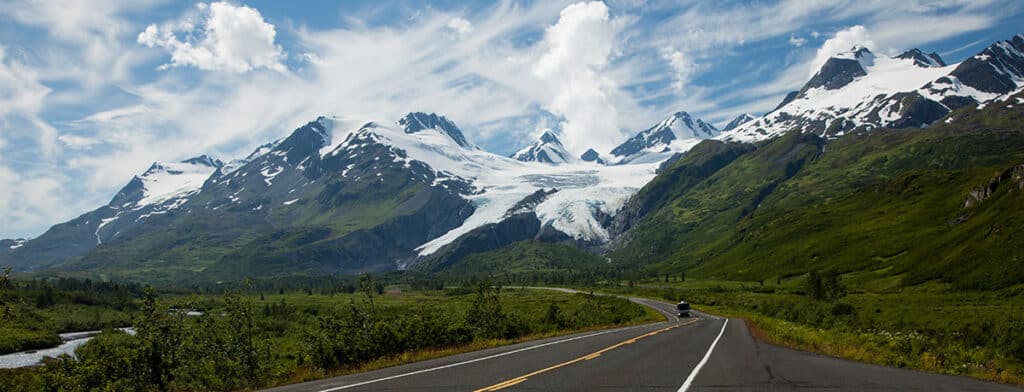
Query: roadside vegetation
x,y
34,313
931,327
251,337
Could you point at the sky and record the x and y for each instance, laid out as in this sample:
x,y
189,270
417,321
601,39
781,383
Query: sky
x,y
93,92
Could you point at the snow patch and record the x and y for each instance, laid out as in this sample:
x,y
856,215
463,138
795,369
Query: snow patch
x,y
269,175
165,181
18,243
103,222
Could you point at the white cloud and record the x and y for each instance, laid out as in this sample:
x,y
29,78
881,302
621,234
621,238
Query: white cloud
x,y
311,58
78,142
461,27
85,42
22,98
228,38
20,89
843,41
797,41
29,202
578,48
682,65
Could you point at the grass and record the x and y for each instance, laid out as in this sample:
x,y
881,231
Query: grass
x,y
428,354
901,350
289,328
931,327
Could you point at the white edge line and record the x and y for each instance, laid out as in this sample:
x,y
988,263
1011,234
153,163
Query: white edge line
x,y
451,365
693,374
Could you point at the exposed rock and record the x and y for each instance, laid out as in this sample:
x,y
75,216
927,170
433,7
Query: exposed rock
x,y
1012,177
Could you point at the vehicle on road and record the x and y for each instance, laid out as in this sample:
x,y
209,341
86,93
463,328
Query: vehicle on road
x,y
683,308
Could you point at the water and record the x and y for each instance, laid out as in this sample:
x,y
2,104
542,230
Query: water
x,y
72,340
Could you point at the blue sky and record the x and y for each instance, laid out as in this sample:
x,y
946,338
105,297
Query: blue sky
x,y
93,92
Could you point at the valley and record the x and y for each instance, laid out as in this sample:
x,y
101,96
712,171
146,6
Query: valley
x,y
873,217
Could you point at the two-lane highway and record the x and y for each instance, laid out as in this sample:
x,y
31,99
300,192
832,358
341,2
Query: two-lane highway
x,y
702,353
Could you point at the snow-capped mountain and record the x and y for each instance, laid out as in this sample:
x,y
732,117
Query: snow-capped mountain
x,y
496,185
415,122
677,133
930,60
546,149
382,198
859,90
389,195
154,195
166,181
739,120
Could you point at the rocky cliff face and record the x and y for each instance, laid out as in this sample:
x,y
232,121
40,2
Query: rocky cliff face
x,y
1012,178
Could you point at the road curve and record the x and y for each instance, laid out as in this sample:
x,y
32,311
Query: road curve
x,y
702,353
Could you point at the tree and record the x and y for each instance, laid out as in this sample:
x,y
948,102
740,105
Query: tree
x,y
243,339
824,286
368,287
161,338
485,314
5,278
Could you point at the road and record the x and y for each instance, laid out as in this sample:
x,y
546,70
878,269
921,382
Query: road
x,y
701,353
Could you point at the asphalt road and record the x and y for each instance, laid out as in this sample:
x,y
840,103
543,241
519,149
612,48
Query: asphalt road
x,y
701,353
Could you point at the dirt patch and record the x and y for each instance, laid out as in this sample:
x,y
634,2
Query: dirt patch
x,y
756,332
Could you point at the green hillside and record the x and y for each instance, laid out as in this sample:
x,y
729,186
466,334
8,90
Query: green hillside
x,y
887,203
521,257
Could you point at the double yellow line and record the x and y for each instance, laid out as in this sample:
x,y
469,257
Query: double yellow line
x,y
517,380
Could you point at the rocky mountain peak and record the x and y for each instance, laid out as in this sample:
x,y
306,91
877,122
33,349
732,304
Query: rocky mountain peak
x,y
662,137
304,142
840,70
419,121
549,137
739,120
204,160
921,59
592,156
547,148
997,69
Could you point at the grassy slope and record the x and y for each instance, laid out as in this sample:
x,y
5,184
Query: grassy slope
x,y
525,256
887,202
188,247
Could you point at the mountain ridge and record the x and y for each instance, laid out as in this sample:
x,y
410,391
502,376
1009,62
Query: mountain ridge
x,y
857,91
392,195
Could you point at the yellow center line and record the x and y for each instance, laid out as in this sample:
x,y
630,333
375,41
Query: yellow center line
x,y
517,380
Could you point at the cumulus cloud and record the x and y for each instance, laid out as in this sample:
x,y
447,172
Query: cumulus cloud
x,y
577,49
843,41
681,64
228,38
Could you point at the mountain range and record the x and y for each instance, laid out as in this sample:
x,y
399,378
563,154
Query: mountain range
x,y
858,91
680,195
